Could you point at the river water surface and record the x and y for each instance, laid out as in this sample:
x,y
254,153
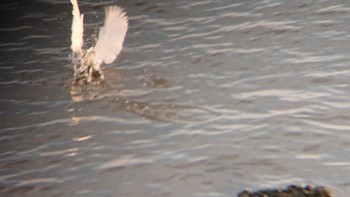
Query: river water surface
x,y
207,98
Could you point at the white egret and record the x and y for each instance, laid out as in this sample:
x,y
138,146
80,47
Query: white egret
x,y
87,63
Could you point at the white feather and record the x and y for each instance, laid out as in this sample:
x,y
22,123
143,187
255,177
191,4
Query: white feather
x,y
111,35
77,28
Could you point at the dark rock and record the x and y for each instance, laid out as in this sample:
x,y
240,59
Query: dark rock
x,y
290,191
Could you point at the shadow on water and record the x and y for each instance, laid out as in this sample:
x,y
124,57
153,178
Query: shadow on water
x,y
168,111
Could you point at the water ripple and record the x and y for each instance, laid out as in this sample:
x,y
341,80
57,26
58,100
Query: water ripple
x,y
202,93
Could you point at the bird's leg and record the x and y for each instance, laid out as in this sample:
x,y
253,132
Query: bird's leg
x,y
98,71
95,74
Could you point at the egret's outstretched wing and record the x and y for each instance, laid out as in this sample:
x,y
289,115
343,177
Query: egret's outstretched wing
x,y
77,28
111,35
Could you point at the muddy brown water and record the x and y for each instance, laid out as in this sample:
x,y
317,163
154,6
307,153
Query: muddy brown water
x,y
207,98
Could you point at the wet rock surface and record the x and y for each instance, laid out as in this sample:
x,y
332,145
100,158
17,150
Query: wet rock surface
x,y
290,191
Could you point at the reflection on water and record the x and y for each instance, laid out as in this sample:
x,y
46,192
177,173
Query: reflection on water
x,y
207,98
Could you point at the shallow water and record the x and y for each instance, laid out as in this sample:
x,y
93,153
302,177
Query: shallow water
x,y
206,99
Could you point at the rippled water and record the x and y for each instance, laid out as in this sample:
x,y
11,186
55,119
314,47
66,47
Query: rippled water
x,y
207,98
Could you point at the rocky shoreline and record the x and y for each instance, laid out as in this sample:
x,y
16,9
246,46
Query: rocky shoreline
x,y
290,191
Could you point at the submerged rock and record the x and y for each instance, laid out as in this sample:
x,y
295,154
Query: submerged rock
x,y
290,191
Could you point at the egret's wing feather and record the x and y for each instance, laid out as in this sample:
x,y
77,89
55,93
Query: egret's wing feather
x,y
111,35
77,28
